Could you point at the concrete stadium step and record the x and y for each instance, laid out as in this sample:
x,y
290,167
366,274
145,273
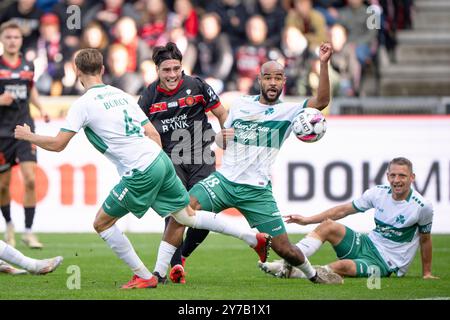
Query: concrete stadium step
x,y
415,80
423,47
432,15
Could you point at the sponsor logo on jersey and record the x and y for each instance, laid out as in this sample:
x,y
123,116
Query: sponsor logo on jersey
x,y
173,104
18,91
26,75
5,74
158,107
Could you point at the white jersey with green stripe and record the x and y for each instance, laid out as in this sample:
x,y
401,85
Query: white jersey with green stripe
x,y
397,224
260,131
112,121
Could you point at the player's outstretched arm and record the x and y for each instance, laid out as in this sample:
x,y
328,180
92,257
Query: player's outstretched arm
x,y
323,92
426,254
57,143
334,213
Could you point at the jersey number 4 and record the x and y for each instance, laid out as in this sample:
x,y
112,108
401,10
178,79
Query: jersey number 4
x,y
130,127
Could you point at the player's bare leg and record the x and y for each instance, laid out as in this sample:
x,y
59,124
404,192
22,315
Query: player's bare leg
x,y
345,267
5,205
295,257
209,221
105,226
28,170
328,230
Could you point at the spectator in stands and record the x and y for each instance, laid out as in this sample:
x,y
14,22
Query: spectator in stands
x,y
233,16
94,36
274,14
71,85
157,20
359,38
329,9
309,21
294,47
313,78
125,32
396,15
215,56
117,76
27,16
49,64
188,18
187,48
251,56
148,73
344,61
108,12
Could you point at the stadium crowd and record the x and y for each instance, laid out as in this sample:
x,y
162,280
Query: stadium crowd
x,y
223,41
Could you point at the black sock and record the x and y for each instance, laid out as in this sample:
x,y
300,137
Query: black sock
x,y
29,217
176,258
193,238
6,211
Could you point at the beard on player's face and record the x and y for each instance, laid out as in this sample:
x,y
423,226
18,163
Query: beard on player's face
x,y
271,93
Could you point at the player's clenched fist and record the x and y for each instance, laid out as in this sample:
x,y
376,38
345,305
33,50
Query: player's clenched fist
x,y
325,52
21,132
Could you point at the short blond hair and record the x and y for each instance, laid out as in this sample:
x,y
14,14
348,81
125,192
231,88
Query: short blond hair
x,y
9,25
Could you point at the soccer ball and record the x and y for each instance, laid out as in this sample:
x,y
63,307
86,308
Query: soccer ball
x,y
309,125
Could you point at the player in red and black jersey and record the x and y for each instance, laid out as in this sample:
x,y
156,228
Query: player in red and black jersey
x,y
177,105
16,93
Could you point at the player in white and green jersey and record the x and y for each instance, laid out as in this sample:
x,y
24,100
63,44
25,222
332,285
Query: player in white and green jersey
x,y
403,220
117,127
256,128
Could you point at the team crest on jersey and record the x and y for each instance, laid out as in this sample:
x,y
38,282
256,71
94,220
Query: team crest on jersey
x,y
269,111
400,219
190,100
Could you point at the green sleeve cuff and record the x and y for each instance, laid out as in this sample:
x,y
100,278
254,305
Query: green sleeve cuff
x,y
143,123
66,130
356,208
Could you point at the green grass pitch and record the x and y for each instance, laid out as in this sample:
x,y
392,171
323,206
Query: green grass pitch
x,y
221,268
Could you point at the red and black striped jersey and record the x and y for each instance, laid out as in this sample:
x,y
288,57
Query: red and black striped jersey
x,y
17,80
183,108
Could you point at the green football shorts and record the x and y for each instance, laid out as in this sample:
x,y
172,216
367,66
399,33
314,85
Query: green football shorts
x,y
257,204
157,187
359,248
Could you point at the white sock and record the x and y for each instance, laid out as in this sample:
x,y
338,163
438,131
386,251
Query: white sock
x,y
27,230
165,253
309,245
215,222
14,256
120,244
307,269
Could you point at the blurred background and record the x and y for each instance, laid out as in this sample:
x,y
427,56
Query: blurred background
x,y
390,81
